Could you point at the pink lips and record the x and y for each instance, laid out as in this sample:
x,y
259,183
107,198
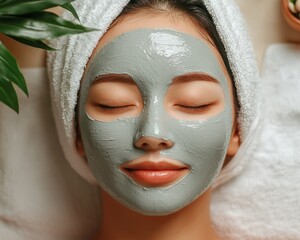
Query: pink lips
x,y
154,174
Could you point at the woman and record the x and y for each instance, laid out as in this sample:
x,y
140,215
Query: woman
x,y
157,116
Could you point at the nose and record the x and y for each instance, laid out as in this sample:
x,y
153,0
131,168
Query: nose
x,y
153,144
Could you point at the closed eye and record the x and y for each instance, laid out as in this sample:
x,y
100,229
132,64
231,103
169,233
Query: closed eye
x,y
191,109
113,96
114,108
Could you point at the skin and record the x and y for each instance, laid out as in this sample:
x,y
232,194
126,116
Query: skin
x,y
119,222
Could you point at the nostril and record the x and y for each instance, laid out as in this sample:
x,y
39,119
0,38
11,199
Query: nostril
x,y
145,146
163,145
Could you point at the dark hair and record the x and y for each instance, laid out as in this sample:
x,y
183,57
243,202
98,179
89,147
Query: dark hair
x,y
197,12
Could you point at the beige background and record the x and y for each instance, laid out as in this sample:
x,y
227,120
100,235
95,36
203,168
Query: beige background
x,y
266,24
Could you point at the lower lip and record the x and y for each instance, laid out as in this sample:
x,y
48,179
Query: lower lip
x,y
156,178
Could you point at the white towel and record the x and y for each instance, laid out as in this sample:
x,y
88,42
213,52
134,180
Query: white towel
x,y
263,203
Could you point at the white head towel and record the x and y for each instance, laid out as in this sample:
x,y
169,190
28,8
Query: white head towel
x,y
66,68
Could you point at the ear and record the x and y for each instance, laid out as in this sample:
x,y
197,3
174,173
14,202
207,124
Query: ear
x,y
80,147
234,143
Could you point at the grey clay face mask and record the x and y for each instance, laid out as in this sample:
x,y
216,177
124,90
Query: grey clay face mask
x,y
153,58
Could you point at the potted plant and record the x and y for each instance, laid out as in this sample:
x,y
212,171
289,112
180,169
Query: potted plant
x,y
26,21
291,13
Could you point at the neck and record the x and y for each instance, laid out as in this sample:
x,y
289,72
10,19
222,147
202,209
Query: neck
x,y
192,222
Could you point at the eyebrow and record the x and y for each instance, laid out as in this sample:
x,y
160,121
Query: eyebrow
x,y
111,77
125,78
194,77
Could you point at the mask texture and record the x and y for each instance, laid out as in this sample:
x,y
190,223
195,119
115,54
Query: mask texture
x,y
153,58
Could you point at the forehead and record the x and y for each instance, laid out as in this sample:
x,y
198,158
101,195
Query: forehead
x,y
156,53
142,19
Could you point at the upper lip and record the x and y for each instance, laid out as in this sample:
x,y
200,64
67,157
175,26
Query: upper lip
x,y
155,166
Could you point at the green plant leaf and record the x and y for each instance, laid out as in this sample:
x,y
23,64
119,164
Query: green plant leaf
x,y
34,43
39,26
9,69
71,9
26,21
20,7
8,94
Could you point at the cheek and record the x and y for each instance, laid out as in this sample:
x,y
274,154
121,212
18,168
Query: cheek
x,y
201,142
108,143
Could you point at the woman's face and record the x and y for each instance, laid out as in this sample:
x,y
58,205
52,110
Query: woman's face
x,y
156,112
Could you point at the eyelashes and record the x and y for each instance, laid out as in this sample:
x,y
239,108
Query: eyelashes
x,y
185,102
114,108
108,107
193,109
177,107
